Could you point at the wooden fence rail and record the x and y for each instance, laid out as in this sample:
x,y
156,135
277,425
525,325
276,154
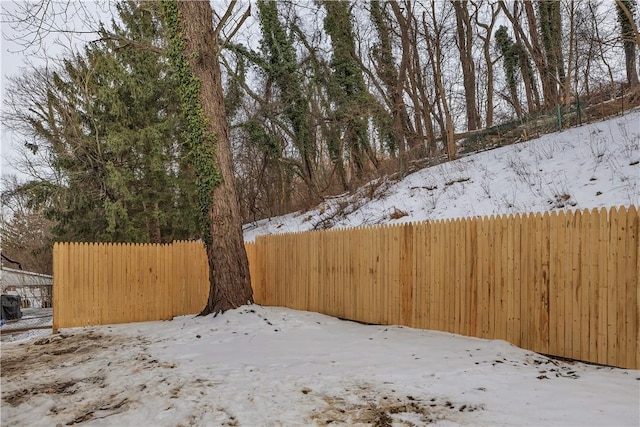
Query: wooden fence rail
x,y
564,283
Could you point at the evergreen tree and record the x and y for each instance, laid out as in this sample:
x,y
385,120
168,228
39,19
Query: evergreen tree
x,y
111,121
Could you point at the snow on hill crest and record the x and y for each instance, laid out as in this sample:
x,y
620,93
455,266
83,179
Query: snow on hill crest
x,y
591,166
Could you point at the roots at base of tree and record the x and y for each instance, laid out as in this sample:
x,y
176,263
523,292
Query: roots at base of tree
x,y
220,304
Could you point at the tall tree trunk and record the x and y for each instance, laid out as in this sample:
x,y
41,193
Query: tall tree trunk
x,y
465,47
528,79
486,50
551,31
566,88
630,38
534,47
434,48
230,284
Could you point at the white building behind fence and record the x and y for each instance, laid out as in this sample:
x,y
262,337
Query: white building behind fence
x,y
35,289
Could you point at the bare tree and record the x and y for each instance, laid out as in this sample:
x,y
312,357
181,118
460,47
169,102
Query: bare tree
x,y
24,230
486,51
533,46
465,32
434,30
630,37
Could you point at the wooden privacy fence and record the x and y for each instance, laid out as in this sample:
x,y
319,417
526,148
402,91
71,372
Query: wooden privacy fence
x,y
101,283
564,284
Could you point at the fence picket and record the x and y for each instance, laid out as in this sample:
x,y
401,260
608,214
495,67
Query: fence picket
x,y
612,280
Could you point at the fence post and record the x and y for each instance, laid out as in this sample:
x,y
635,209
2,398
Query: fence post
x,y
559,118
55,290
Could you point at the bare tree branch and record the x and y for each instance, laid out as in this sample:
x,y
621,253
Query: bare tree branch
x,y
244,17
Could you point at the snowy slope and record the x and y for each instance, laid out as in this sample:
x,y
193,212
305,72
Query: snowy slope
x,y
590,166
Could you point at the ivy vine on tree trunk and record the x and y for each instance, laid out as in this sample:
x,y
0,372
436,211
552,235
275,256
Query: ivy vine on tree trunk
x,y
194,53
201,143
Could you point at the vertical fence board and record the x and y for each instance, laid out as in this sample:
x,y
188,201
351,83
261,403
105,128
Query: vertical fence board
x,y
602,241
492,277
260,261
534,290
483,297
588,292
545,282
432,263
585,308
623,325
406,274
58,274
418,276
636,213
633,244
502,261
554,294
568,285
421,278
577,288
450,277
631,282
83,309
461,268
560,285
106,282
612,294
441,308
472,274
592,300
524,257
394,264
517,279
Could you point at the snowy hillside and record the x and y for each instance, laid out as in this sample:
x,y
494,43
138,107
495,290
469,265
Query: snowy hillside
x,y
590,166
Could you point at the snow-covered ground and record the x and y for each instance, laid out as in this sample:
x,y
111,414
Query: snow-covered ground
x,y
258,366
585,167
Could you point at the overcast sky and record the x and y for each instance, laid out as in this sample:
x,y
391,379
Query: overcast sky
x,y
16,58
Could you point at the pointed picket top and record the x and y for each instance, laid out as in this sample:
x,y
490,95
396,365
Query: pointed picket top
x,y
613,211
632,210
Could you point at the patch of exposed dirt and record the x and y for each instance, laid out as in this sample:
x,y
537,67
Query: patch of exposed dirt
x,y
16,397
548,367
58,366
371,407
48,352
